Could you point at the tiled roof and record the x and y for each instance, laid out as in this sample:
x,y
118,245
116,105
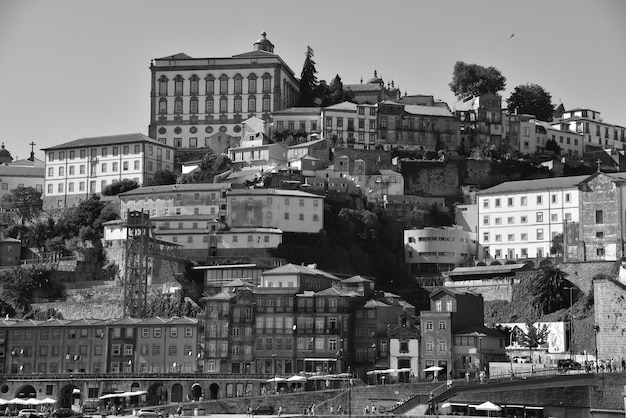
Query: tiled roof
x,y
298,111
427,110
343,106
264,192
506,268
171,188
295,268
356,279
306,144
106,140
510,187
179,56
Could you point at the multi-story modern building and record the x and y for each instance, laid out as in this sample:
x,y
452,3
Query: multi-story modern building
x,y
519,219
78,169
417,126
438,249
287,210
194,98
350,125
596,133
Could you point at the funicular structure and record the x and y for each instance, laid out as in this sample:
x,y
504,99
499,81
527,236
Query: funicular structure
x,y
137,268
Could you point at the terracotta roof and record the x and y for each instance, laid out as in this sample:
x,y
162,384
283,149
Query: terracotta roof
x,y
510,187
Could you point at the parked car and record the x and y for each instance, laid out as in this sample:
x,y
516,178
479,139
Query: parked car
x,y
568,364
264,410
149,413
64,413
26,412
521,359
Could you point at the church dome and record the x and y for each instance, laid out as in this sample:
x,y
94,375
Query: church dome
x,y
5,155
375,79
263,44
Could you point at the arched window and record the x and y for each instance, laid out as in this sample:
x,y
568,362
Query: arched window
x,y
238,79
267,83
252,83
210,84
252,104
209,105
194,83
163,85
237,104
223,104
162,106
193,105
178,84
266,103
178,105
223,84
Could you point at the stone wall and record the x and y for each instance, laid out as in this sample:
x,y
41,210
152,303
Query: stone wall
x,y
610,312
582,274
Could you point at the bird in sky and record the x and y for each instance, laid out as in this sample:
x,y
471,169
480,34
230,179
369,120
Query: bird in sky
x,y
512,35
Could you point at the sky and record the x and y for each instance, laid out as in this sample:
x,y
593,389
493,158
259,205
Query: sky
x,y
80,68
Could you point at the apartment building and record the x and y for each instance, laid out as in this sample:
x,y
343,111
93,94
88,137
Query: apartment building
x,y
417,127
571,142
28,172
78,169
287,210
301,123
438,249
191,99
350,125
519,219
596,133
481,121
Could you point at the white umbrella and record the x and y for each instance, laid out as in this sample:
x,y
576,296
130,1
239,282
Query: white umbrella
x,y
48,400
297,378
489,407
433,369
276,379
18,401
3,401
32,401
446,405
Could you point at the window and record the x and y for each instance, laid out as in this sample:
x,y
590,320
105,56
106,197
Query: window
x,y
510,237
486,204
524,237
430,345
429,325
540,234
442,324
510,201
523,200
540,200
510,220
438,306
498,221
485,236
485,220
497,203
554,217
448,306
523,219
599,217
539,216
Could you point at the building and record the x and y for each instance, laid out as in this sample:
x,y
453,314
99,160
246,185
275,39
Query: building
x,y
193,98
10,252
287,210
519,219
350,125
571,142
430,250
450,312
595,132
22,173
373,91
265,156
481,122
78,169
417,127
300,123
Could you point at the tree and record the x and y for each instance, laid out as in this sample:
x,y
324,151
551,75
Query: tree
x,y
162,177
336,93
118,187
551,145
547,289
557,245
308,80
25,201
531,99
533,337
471,80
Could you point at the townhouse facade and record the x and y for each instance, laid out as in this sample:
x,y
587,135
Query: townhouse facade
x,y
78,169
417,127
481,122
350,125
191,99
302,123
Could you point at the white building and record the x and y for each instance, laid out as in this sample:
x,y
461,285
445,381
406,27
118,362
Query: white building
x,y
570,142
194,98
78,169
596,133
438,249
519,219
303,122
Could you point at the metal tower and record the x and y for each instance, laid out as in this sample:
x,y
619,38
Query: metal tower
x,y
137,269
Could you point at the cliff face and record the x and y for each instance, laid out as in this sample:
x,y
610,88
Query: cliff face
x,y
100,302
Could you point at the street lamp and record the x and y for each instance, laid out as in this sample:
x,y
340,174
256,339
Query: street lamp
x,y
596,328
180,378
571,323
374,361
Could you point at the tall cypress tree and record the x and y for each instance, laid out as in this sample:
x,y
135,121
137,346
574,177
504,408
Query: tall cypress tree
x,y
308,80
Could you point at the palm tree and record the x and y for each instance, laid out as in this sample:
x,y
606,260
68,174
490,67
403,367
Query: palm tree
x,y
547,288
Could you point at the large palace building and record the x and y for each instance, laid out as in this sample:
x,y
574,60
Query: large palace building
x,y
195,99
